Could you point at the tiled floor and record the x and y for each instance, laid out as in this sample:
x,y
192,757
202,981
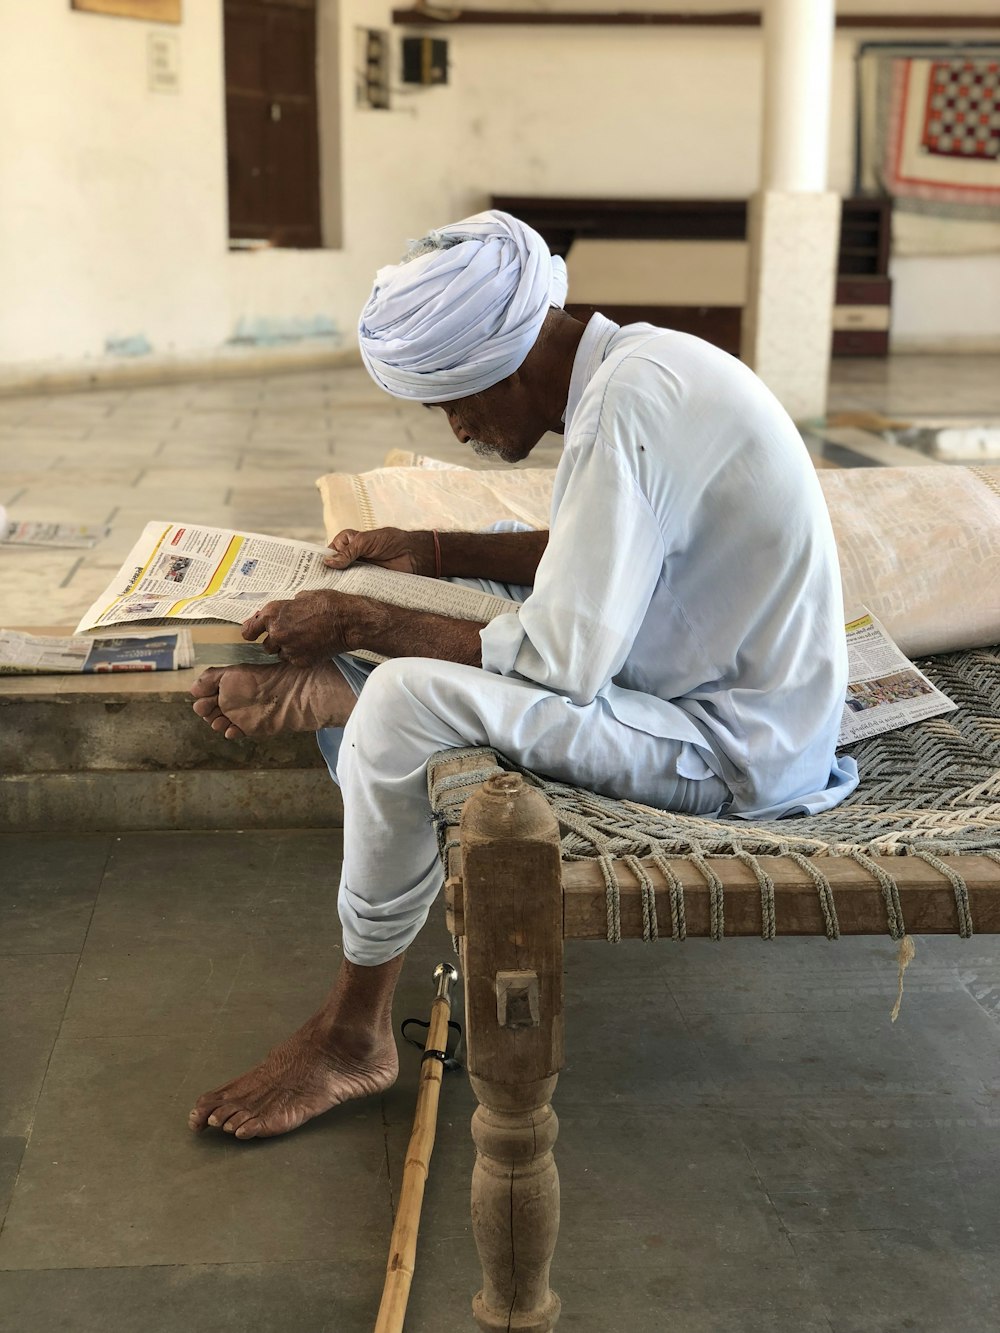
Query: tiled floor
x,y
232,453
747,1143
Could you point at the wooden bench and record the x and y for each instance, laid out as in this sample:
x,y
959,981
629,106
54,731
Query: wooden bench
x,y
511,901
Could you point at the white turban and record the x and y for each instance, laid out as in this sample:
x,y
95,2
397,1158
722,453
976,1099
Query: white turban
x,y
464,312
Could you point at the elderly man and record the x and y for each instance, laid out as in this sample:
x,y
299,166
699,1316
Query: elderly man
x,y
680,638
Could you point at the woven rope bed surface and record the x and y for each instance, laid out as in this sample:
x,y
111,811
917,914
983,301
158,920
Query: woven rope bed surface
x,y
930,790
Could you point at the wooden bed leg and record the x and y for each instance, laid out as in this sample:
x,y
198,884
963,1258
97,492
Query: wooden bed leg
x,y
512,955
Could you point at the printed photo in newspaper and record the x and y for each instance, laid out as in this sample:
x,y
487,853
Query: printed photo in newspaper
x,y
885,690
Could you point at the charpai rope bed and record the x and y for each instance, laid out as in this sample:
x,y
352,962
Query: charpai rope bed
x,y
529,862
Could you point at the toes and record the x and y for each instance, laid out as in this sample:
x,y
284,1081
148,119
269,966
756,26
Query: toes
x,y
253,1128
234,1122
207,683
209,711
199,1113
222,1113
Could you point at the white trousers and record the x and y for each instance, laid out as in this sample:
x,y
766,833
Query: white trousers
x,y
410,708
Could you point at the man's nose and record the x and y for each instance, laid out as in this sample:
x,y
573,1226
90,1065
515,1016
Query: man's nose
x,y
460,433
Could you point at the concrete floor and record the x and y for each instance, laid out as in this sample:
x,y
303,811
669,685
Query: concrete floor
x,y
747,1143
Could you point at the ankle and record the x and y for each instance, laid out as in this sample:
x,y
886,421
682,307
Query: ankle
x,y
352,1040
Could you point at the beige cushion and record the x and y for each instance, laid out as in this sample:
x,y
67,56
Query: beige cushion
x,y
450,499
919,547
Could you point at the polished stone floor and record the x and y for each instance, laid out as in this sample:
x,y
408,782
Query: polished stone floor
x,y
747,1143
233,453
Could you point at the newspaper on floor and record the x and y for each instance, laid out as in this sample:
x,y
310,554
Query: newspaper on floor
x,y
186,572
49,654
884,690
72,536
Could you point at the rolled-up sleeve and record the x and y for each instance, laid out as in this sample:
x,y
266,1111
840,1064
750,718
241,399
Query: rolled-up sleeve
x,y
593,586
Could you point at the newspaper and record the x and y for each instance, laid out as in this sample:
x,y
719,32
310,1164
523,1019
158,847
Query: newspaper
x,y
75,536
45,654
884,690
186,572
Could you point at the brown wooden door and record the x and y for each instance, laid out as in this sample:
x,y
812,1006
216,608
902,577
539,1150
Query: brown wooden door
x,y
271,121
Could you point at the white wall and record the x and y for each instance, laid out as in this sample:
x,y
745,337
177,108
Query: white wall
x,y
111,195
113,198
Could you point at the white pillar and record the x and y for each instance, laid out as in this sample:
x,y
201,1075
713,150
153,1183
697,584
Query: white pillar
x,y
798,61
793,224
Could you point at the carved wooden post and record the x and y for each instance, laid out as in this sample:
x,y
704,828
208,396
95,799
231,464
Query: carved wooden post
x,y
512,958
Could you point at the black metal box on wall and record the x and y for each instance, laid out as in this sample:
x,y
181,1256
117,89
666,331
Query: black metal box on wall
x,y
425,60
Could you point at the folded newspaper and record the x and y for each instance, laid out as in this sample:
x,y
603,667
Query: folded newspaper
x,y
884,689
47,654
184,572
72,536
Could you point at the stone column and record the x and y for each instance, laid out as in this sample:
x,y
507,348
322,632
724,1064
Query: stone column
x,y
793,224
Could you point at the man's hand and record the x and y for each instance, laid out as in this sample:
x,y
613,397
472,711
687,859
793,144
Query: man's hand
x,y
315,626
392,548
312,627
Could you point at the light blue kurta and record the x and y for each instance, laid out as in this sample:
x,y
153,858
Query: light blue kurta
x,y
691,577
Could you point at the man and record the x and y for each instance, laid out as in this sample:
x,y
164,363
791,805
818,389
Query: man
x,y
680,640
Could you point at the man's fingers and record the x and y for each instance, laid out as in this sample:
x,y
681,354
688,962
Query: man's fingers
x,y
343,549
254,626
380,545
342,537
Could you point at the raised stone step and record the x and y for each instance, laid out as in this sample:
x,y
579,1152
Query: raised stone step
x,y
125,751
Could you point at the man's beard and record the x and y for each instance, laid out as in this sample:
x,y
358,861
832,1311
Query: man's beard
x,y
483,450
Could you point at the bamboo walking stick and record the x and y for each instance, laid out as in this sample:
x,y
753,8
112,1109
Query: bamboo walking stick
x,y
403,1246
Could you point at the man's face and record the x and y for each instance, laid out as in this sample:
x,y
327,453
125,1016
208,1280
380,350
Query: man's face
x,y
497,423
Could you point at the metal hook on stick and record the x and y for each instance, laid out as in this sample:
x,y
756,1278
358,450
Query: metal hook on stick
x,y
403,1246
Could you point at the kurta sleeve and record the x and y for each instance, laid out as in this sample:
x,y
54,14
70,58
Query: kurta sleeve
x,y
593,585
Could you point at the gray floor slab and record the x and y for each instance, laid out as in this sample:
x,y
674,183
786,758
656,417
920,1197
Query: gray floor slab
x,y
112,1175
11,1151
902,1281
746,1142
945,1041
319,1297
49,889
209,891
33,994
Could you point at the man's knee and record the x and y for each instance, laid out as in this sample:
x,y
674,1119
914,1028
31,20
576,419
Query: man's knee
x,y
396,682
405,702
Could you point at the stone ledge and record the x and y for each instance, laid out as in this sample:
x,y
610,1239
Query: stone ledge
x,y
142,734
96,802
126,752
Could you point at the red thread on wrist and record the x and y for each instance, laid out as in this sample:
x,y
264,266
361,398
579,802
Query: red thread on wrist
x,y
437,554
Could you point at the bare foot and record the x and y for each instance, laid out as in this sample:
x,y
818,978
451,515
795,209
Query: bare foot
x,y
264,700
300,1079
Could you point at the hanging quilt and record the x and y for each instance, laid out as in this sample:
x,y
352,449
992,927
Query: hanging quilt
x,y
929,133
